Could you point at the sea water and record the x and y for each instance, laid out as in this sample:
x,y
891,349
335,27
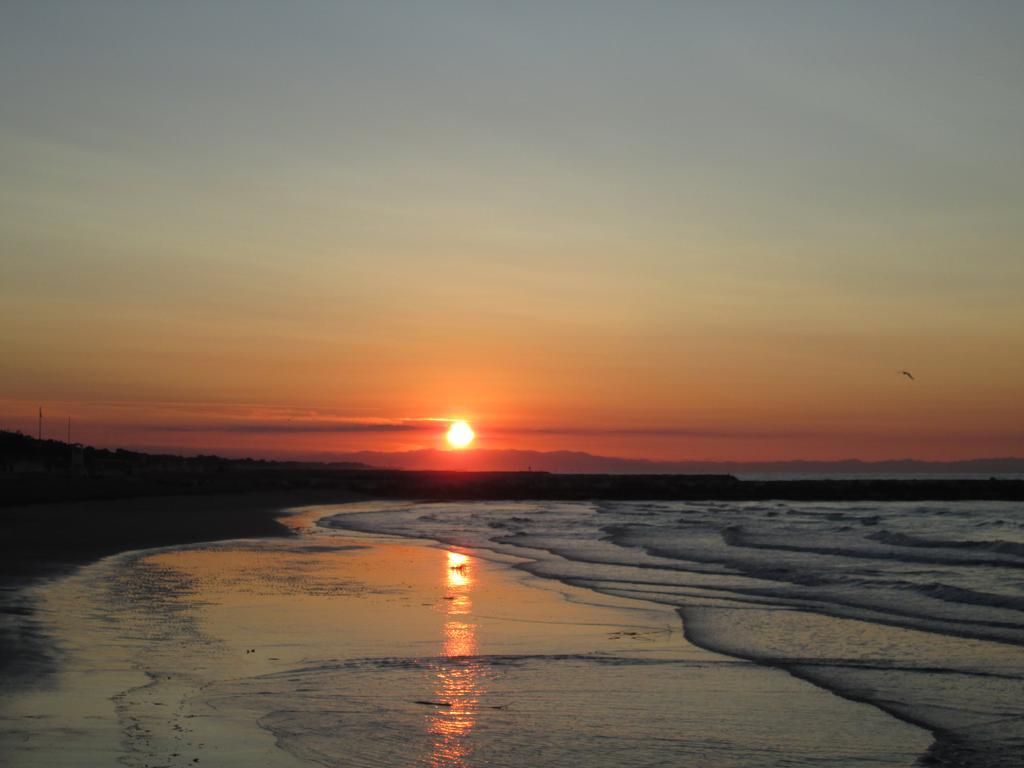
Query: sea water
x,y
544,633
915,608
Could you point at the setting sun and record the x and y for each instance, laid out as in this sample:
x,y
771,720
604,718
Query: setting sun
x,y
460,435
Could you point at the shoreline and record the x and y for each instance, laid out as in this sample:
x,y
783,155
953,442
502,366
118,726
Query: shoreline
x,y
49,540
465,668
52,541
940,751
943,749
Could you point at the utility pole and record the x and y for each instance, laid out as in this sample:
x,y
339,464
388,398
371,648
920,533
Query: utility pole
x,y
69,431
40,422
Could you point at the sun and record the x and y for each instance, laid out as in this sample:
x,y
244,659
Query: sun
x,y
460,434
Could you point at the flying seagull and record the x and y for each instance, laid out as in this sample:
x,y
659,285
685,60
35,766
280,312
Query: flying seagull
x,y
908,374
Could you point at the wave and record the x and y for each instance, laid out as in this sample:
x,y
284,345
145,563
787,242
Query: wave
x,y
996,546
895,548
819,590
970,596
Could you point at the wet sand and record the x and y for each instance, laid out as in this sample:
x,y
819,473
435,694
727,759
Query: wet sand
x,y
45,541
331,648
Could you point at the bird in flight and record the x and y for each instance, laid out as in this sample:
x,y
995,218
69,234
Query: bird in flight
x,y
908,374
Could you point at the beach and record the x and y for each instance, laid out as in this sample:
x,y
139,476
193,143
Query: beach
x,y
332,646
500,385
46,540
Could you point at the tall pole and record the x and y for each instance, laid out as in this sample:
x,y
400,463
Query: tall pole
x,y
69,430
40,422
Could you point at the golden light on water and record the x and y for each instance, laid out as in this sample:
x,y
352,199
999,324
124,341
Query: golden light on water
x,y
457,679
459,636
460,434
457,572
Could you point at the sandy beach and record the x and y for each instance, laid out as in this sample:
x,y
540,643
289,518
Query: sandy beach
x,y
332,647
45,541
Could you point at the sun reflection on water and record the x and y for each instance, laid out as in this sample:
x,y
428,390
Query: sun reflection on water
x,y
457,678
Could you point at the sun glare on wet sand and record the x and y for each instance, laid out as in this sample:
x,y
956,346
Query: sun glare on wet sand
x,y
460,435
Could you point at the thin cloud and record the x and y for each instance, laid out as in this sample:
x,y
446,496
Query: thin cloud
x,y
295,427
432,424
680,432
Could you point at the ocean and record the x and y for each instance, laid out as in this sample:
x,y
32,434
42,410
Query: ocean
x,y
463,635
915,608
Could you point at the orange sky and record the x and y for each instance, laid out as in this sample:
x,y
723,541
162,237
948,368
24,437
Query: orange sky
x,y
707,232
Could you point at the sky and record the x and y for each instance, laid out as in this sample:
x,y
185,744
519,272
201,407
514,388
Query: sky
x,y
687,230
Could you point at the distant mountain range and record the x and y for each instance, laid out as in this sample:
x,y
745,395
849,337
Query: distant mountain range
x,y
586,463
21,453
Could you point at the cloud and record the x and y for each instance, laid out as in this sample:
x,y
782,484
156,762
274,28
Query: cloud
x,y
320,426
680,432
296,427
